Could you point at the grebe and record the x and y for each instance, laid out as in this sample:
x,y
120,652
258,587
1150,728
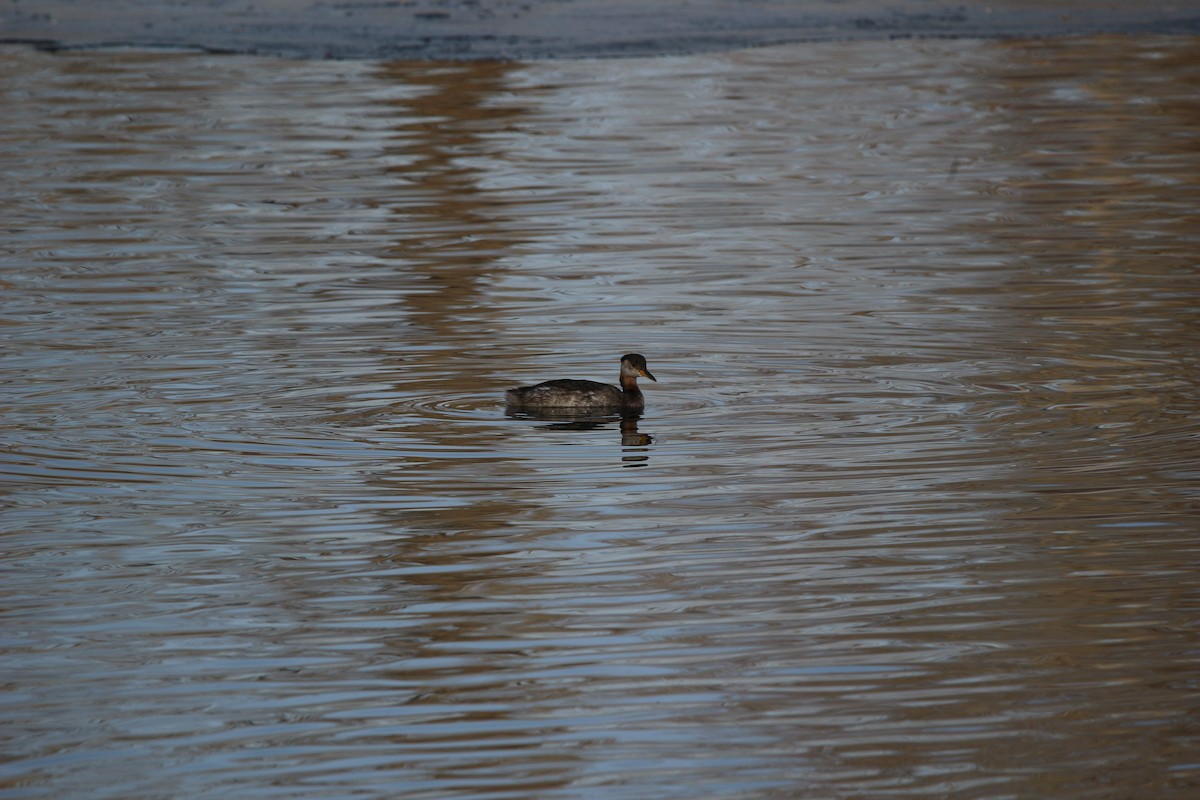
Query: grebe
x,y
573,395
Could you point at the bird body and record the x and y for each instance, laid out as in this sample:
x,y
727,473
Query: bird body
x,y
569,394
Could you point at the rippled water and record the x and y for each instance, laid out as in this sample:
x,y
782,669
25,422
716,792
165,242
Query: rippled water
x,y
912,510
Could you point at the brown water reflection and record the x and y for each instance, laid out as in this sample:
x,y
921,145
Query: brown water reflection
x,y
911,510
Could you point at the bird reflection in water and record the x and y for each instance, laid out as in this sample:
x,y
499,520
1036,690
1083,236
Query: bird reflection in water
x,y
632,439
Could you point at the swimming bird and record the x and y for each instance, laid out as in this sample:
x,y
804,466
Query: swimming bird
x,y
568,394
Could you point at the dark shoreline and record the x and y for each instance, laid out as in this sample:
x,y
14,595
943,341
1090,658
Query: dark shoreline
x,y
531,29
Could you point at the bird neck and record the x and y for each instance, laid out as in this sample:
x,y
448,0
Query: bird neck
x,y
629,384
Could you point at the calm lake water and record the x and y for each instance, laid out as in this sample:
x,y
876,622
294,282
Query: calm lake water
x,y
912,510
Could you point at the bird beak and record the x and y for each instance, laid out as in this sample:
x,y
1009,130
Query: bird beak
x,y
645,373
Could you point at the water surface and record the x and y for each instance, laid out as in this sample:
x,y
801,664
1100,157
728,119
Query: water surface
x,y
912,510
